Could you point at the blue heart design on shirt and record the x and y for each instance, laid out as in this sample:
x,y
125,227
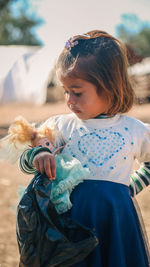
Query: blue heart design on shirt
x,y
100,147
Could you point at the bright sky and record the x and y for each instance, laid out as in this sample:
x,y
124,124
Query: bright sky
x,y
65,18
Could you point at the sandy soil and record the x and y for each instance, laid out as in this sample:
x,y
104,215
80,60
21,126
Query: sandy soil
x,y
11,177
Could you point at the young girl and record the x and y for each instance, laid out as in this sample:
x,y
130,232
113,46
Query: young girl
x,y
92,69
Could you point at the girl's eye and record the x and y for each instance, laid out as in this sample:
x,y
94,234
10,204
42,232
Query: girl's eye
x,y
77,94
47,143
74,93
66,92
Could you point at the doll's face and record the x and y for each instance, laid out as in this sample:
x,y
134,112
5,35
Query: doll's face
x,y
45,142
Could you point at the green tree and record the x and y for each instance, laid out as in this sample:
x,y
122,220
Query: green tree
x,y
141,42
17,30
135,33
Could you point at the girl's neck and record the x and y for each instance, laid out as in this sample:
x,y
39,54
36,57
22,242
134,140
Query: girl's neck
x,y
103,116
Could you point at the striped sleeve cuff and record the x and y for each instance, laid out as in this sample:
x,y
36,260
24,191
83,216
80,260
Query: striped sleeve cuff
x,y
24,164
27,157
140,179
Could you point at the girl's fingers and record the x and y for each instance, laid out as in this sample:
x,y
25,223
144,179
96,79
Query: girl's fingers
x,y
36,165
53,167
41,166
47,168
46,163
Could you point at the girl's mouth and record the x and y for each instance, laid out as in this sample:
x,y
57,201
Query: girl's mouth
x,y
74,109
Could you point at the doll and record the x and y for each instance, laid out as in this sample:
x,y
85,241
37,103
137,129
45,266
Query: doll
x,y
22,136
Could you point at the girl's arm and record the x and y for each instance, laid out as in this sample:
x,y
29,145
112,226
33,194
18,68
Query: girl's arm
x,y
140,179
27,157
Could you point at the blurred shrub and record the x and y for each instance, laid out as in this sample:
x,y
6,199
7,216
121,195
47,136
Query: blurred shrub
x,y
135,33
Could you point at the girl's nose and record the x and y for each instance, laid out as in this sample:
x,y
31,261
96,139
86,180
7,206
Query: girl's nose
x,y
71,100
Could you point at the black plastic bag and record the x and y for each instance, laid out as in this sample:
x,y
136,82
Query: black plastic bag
x,y
46,239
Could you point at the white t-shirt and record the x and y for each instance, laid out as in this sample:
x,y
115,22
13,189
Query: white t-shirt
x,y
108,147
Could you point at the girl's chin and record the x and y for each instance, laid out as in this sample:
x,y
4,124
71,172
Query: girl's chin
x,y
82,116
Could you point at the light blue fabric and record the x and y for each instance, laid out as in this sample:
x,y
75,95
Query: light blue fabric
x,y
69,173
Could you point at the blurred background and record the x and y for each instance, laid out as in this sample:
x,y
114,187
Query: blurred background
x,y
32,34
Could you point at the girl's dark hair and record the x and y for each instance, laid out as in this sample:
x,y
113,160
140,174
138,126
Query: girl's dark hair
x,y
101,59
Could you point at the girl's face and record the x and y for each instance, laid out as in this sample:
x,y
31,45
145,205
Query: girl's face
x,y
82,98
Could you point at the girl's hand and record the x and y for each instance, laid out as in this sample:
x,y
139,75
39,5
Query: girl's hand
x,y
45,162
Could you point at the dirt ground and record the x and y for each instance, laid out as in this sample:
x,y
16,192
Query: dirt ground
x,y
11,177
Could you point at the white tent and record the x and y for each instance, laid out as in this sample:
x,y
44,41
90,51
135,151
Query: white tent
x,y
26,79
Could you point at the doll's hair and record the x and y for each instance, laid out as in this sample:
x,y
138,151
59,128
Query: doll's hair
x,y
101,59
22,135
21,131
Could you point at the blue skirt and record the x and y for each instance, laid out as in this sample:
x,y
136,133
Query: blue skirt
x,y
109,210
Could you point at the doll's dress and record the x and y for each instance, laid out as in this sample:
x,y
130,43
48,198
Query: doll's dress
x,y
69,173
